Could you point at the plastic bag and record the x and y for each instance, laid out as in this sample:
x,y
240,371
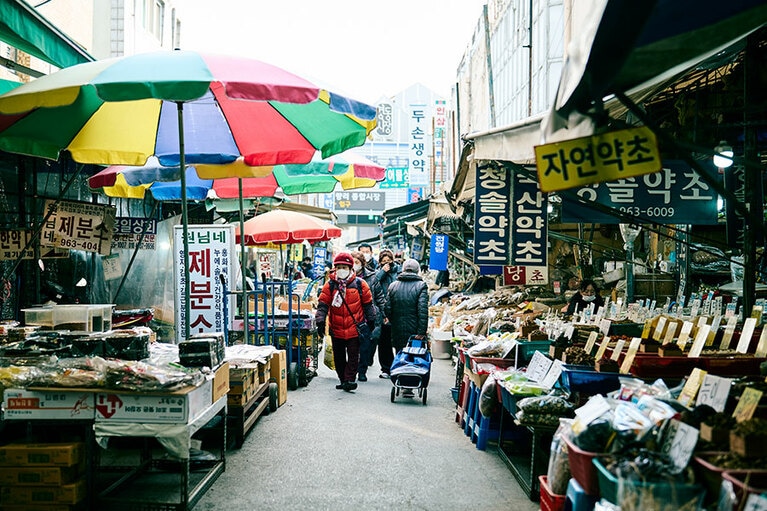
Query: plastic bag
x,y
545,405
559,465
328,358
488,397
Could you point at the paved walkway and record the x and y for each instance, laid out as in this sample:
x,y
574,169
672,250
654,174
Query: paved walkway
x,y
326,449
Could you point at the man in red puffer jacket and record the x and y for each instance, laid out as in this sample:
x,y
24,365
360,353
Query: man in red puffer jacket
x,y
345,301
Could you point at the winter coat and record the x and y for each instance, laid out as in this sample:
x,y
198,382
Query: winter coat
x,y
577,302
407,307
379,297
360,301
387,278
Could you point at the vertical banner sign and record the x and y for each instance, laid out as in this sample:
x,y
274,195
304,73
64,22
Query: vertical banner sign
x,y
529,223
211,254
414,195
79,226
440,125
438,252
416,251
491,218
418,128
318,261
385,122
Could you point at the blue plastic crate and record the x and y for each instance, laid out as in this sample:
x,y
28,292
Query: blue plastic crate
x,y
582,379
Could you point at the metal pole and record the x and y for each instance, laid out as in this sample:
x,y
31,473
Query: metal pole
x,y
244,309
184,219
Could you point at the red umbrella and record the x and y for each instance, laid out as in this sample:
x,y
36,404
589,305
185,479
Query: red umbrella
x,y
286,227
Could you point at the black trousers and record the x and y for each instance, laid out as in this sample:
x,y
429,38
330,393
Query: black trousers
x,y
385,350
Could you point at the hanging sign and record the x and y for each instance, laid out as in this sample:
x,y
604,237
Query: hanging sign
x,y
491,218
359,200
525,275
112,267
129,231
416,251
319,259
598,158
79,226
529,213
13,242
211,255
438,251
396,177
418,136
675,195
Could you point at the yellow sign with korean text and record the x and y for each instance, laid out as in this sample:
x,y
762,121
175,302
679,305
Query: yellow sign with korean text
x,y
598,158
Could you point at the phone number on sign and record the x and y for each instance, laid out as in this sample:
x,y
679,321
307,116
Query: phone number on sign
x,y
86,245
656,211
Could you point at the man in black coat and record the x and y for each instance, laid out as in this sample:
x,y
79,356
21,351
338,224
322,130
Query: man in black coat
x,y
407,305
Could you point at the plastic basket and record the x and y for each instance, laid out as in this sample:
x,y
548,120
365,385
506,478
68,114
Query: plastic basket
x,y
550,501
662,493
581,467
580,379
744,483
526,349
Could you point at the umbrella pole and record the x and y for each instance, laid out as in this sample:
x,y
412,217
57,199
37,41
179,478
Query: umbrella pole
x,y
244,310
184,218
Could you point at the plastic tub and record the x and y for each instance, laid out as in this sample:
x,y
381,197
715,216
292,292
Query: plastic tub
x,y
660,494
39,316
581,379
582,468
72,317
550,501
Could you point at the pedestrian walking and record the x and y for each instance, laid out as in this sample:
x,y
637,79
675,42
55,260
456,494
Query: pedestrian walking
x,y
367,350
386,275
367,252
347,303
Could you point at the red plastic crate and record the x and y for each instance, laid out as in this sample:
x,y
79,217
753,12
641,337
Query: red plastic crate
x,y
550,501
581,467
744,483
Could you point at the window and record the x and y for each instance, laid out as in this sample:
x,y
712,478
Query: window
x,y
154,12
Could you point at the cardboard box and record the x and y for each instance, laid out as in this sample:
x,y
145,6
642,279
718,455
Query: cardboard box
x,y
48,404
42,455
243,380
30,476
264,372
24,495
279,375
221,382
180,407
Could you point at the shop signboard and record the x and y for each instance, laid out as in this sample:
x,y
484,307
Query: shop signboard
x,y
416,251
211,255
359,200
491,218
384,131
396,177
529,227
525,275
418,134
130,231
440,131
79,226
676,195
438,251
596,159
319,259
414,195
13,242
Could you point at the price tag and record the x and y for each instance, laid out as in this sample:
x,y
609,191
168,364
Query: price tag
x,y
647,330
553,375
684,334
745,335
729,330
594,408
714,329
617,350
670,332
538,367
659,328
679,440
602,348
569,331
761,348
747,404
700,341
729,311
604,326
756,502
714,392
690,389
590,342
630,354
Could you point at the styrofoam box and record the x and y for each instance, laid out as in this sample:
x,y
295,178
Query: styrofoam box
x,y
180,407
48,404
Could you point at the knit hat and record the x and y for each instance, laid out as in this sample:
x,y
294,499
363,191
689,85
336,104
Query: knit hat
x,y
344,258
411,265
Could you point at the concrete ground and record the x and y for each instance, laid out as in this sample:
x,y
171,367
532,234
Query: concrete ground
x,y
326,449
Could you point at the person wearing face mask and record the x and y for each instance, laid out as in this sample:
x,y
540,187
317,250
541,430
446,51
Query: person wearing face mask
x,y
386,275
586,295
367,350
345,301
367,252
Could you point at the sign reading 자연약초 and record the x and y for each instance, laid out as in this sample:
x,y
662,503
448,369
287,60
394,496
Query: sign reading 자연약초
x,y
605,157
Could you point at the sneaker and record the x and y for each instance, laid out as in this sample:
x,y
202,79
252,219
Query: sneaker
x,y
385,376
362,377
349,386
340,386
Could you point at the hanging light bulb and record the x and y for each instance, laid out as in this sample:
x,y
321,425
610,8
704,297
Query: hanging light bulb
x,y
723,158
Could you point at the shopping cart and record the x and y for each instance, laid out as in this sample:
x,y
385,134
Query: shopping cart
x,y
411,369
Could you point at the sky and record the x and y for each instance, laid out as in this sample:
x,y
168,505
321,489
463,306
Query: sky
x,y
366,49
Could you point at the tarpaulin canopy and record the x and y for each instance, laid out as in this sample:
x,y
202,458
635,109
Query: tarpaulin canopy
x,y
24,28
636,47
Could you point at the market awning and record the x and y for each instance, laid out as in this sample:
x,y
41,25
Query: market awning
x,y
24,28
634,47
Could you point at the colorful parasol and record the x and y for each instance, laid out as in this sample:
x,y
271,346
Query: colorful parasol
x,y
286,227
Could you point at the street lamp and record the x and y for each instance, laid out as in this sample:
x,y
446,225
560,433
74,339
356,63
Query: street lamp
x,y
723,158
629,232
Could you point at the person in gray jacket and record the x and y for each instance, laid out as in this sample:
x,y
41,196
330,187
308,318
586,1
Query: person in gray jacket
x,y
407,305
379,298
386,275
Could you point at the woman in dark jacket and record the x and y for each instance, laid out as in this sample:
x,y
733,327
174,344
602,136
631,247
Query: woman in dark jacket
x,y
385,276
407,305
367,350
586,295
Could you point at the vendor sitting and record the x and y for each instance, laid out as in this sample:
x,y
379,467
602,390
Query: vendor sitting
x,y
586,295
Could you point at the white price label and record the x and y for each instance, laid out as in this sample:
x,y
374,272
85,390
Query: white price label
x,y
714,392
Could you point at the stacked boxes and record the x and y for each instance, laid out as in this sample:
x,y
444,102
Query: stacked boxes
x,y
279,375
202,350
45,476
243,384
